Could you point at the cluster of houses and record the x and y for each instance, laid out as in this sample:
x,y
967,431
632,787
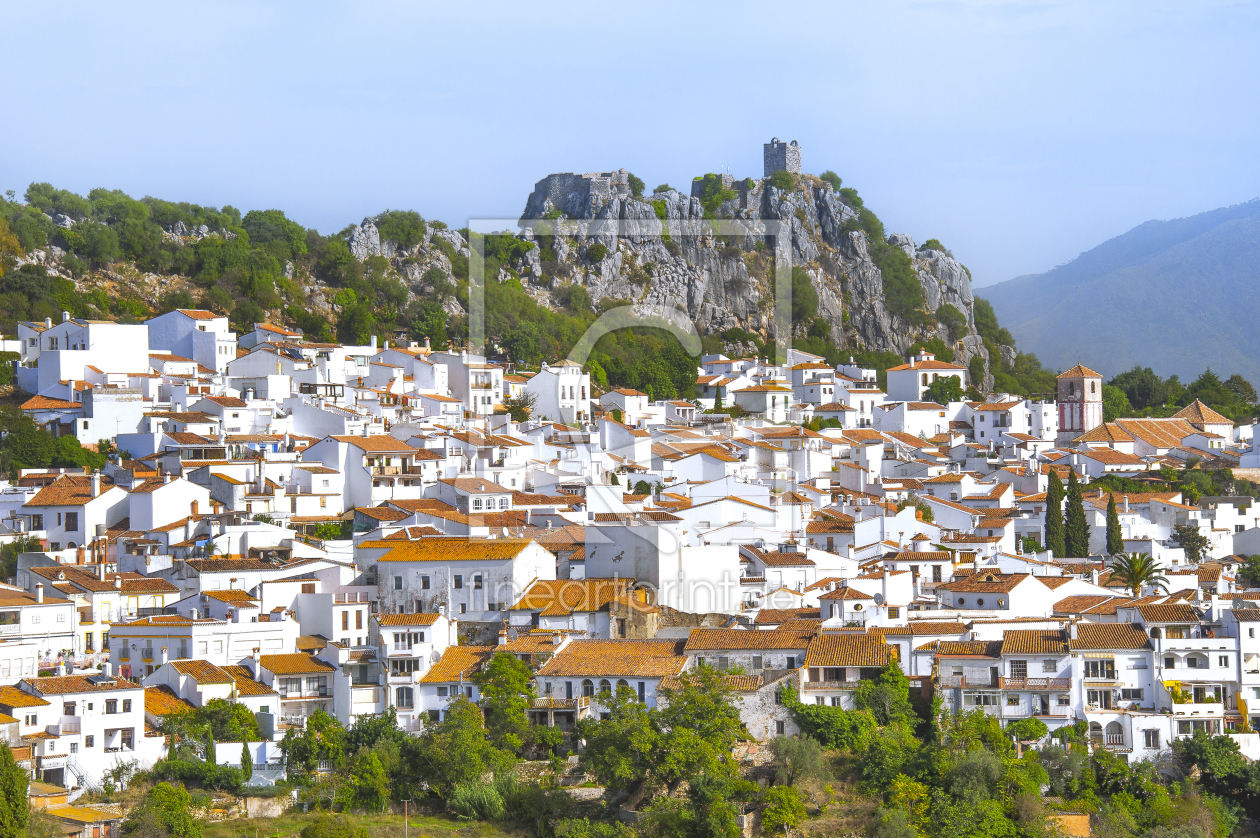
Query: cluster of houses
x,y
303,527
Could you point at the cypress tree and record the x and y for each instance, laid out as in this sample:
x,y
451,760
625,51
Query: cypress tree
x,y
1054,516
247,762
1115,536
1076,537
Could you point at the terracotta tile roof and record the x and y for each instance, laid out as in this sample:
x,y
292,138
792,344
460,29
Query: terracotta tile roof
x,y
230,565
564,596
203,672
407,619
1054,582
294,663
1106,432
243,677
1197,413
68,490
11,696
985,582
707,639
925,365
1109,636
163,701
450,549
969,649
846,593
1168,613
382,443
198,313
928,627
774,616
1034,642
612,658
381,513
736,683
46,403
1080,371
61,684
458,663
1080,603
847,650
236,597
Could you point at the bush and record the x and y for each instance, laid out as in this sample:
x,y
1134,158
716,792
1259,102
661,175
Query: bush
x,y
782,180
333,826
903,293
404,228
953,320
636,186
1028,730
933,244
785,808
476,801
664,187
596,252
832,178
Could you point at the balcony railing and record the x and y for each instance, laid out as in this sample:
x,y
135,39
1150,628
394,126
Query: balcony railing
x,y
549,703
10,628
1108,740
831,685
1036,683
976,681
321,692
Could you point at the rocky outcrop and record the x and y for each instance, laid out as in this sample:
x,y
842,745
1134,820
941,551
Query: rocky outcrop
x,y
661,250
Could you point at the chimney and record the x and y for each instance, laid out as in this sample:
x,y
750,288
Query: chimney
x,y
96,483
65,315
100,571
118,581
166,477
1126,503
107,669
193,613
1093,576
47,322
39,591
503,637
162,658
426,344
257,665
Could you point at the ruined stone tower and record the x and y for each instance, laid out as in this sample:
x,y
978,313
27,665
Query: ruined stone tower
x,y
781,156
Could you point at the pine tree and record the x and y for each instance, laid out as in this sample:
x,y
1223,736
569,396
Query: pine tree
x,y
1054,516
1076,536
1115,536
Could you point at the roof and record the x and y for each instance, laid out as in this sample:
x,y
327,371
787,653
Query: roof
x,y
375,443
11,696
68,490
985,582
780,615
163,701
203,672
294,663
629,658
559,597
1197,413
1108,636
407,619
200,314
1168,613
61,684
1034,642
449,549
969,648
46,403
1080,371
926,365
707,639
458,663
852,650
246,684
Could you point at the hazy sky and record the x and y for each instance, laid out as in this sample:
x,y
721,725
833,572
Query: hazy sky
x,y
1019,134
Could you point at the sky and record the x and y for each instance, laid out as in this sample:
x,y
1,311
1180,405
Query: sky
x,y
1019,134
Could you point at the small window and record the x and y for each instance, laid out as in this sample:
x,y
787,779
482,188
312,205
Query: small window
x,y
459,582
89,741
779,728
1170,663
1049,665
1223,660
1151,739
424,582
477,582
126,705
398,583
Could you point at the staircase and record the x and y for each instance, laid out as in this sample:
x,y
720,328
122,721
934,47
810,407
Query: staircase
x,y
86,781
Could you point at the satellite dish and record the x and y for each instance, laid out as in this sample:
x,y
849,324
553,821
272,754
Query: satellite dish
x,y
1240,604
879,599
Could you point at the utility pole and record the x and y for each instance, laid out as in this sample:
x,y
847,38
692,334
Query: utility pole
x,y
405,805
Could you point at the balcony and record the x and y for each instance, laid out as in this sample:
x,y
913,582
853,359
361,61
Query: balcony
x,y
299,695
983,682
67,725
831,685
1036,683
1110,741
549,703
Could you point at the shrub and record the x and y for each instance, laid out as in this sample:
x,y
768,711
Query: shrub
x,y
596,252
903,294
1027,730
404,228
783,180
933,244
953,320
832,178
636,186
475,801
712,195
785,808
664,187
333,826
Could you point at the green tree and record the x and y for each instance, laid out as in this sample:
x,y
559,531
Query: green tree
x,y
944,390
247,762
1115,403
1115,535
1076,534
167,806
1142,387
782,180
1137,571
796,758
521,407
952,319
785,809
1241,388
1192,541
636,186
14,810
322,739
804,297
405,228
506,686
456,750
1249,572
832,178
370,782
1055,535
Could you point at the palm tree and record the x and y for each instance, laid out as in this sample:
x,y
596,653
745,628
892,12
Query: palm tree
x,y
1137,570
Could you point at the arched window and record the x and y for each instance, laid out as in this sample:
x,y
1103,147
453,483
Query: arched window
x,y
925,380
605,688
1156,633
935,376
622,682
588,688
476,503
503,503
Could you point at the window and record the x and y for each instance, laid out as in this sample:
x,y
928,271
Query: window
x,y
424,582
1019,669
1222,660
779,728
111,707
126,705
358,618
459,582
1170,662
404,697
441,692
37,522
605,688
893,612
1012,700
1103,668
1049,665
72,520
791,661
476,503
477,582
463,608
309,587
1064,700
756,662
1151,739
345,620
588,688
980,699
1131,694
89,741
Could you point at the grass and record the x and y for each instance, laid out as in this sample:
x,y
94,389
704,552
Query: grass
x,y
378,826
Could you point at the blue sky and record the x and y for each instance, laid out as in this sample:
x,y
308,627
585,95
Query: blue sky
x,y
1020,134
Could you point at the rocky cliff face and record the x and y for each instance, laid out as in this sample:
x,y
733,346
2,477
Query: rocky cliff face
x,y
659,250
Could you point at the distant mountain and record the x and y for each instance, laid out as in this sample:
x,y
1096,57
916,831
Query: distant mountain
x,y
1177,296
